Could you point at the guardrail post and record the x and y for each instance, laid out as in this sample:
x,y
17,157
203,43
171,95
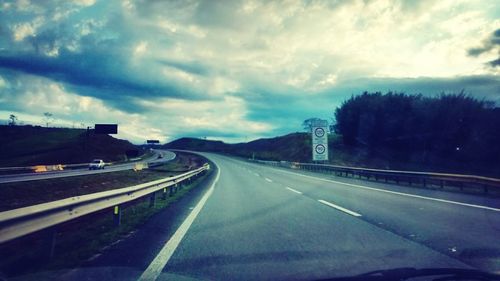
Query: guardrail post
x,y
171,190
117,215
485,186
441,183
164,194
409,181
152,199
424,182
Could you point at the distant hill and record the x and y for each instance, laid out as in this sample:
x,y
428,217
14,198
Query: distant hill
x,y
33,145
297,147
291,147
199,145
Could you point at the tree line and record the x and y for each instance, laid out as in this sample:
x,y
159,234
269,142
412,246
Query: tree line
x,y
450,127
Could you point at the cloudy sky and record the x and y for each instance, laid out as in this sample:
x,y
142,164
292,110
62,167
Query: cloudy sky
x,y
235,70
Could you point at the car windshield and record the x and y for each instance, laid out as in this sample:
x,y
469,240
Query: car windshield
x,y
249,139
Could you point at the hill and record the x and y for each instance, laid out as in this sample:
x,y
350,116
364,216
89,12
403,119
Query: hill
x,y
293,147
33,145
297,147
199,145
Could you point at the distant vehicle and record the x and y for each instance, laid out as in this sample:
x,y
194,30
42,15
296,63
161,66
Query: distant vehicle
x,y
97,164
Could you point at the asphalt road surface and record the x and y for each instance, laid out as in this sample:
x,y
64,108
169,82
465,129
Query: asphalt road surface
x,y
166,156
254,222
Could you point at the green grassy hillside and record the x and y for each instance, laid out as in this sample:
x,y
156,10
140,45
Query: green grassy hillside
x,y
33,145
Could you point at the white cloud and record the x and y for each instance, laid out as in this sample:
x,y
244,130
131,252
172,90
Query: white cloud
x,y
23,30
226,116
84,2
3,83
141,48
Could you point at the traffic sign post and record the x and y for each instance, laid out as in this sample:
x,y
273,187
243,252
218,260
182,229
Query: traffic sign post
x,y
320,140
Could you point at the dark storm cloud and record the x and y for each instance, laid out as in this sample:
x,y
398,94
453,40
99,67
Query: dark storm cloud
x,y
491,43
94,56
103,75
100,71
494,62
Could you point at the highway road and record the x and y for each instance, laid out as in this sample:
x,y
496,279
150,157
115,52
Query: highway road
x,y
167,156
254,222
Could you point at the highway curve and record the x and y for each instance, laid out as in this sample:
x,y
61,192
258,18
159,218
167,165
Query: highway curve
x,y
254,222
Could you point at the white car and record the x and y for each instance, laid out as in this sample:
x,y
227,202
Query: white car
x,y
97,164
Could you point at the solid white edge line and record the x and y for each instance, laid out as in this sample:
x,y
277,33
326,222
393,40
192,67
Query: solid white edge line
x,y
156,267
269,180
293,190
352,213
395,192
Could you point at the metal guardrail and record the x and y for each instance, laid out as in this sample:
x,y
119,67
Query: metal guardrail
x,y
410,177
23,221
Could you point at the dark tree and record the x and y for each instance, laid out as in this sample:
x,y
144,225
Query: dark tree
x,y
457,127
13,120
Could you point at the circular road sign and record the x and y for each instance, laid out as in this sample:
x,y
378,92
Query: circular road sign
x,y
320,149
319,132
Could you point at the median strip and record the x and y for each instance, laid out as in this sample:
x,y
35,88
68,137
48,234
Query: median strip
x,y
352,213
